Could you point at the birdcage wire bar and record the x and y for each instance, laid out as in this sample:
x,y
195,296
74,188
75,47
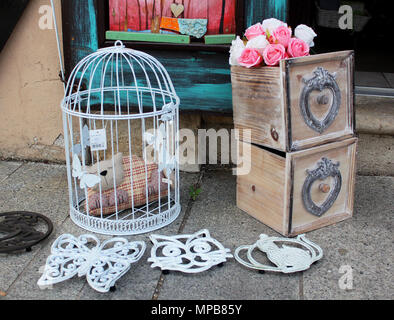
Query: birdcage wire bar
x,y
128,96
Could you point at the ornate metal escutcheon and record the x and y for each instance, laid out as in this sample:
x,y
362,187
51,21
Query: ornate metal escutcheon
x,y
321,79
325,169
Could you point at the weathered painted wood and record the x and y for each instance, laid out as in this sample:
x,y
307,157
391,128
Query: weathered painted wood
x,y
133,15
258,10
219,38
202,79
229,23
79,30
151,37
215,8
137,15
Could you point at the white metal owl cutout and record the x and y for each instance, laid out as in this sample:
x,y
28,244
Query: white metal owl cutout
x,y
187,253
103,264
287,259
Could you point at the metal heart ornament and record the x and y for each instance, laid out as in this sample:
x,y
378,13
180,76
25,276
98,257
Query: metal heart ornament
x,y
177,9
325,168
321,79
299,256
103,264
187,253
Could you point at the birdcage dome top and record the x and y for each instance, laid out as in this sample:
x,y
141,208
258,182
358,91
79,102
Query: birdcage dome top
x,y
118,82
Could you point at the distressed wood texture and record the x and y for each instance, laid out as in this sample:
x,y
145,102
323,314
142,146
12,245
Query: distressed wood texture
x,y
80,36
258,10
272,191
268,100
201,79
257,104
137,15
261,192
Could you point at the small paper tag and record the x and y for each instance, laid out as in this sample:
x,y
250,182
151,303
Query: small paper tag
x,y
98,140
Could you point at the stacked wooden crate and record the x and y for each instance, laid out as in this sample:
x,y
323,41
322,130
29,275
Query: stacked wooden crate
x,y
302,143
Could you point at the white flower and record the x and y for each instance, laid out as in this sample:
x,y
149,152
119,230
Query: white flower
x,y
259,43
271,24
237,47
305,33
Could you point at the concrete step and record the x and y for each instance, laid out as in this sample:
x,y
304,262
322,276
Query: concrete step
x,y
374,115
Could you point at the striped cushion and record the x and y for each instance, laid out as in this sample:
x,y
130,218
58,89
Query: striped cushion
x,y
136,188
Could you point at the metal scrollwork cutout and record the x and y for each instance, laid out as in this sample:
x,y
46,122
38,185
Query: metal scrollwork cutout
x,y
326,168
21,230
322,79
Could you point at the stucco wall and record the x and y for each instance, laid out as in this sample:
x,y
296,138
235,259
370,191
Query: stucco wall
x,y
30,90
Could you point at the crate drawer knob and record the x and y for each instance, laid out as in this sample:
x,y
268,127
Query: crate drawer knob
x,y
321,79
325,168
324,187
274,134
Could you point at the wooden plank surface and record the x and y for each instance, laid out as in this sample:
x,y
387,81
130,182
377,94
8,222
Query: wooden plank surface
x,y
201,78
302,135
342,152
151,37
261,193
137,15
257,104
257,10
219,38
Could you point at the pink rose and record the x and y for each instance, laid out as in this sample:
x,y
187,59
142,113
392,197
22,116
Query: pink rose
x,y
282,35
297,48
273,53
250,58
254,31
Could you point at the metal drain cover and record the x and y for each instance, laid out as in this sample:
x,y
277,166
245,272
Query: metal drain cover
x,y
20,230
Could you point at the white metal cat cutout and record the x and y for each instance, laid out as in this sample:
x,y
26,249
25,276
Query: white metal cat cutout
x,y
287,259
187,253
86,179
103,264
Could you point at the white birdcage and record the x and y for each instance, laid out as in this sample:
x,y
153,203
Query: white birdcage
x,y
120,117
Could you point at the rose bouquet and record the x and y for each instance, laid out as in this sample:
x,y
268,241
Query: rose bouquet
x,y
269,42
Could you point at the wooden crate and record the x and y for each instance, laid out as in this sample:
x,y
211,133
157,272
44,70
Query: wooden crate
x,y
284,190
303,103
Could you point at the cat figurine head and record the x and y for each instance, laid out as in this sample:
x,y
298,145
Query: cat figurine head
x,y
106,170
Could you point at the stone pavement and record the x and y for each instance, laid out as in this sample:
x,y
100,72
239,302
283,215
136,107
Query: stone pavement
x,y
365,243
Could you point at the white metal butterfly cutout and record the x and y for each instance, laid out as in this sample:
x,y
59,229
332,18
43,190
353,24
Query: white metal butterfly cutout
x,y
287,259
85,141
86,179
103,264
169,109
187,253
159,142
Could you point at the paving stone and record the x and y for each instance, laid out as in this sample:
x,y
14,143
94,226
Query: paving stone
x,y
215,210
364,243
